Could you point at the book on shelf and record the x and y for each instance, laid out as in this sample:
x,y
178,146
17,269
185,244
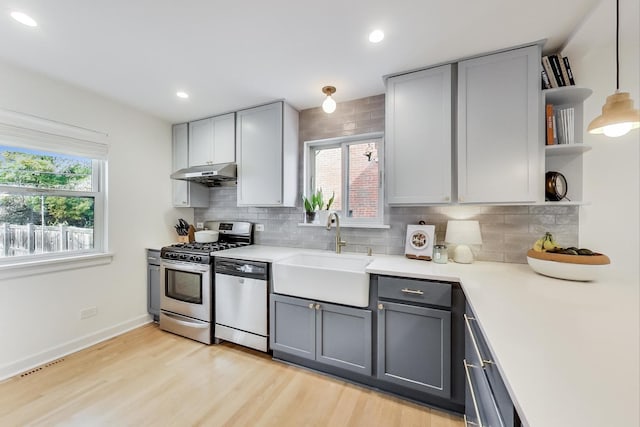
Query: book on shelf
x,y
558,71
564,122
567,66
549,122
546,66
546,84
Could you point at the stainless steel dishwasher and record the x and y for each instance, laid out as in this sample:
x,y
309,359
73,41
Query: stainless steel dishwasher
x,y
241,301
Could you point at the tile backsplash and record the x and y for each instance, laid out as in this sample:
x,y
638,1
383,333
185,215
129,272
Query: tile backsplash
x,y
507,231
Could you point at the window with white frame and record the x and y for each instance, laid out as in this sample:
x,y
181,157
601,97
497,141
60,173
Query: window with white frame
x,y
349,169
51,190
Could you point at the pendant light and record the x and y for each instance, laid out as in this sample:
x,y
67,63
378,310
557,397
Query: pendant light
x,y
618,115
329,105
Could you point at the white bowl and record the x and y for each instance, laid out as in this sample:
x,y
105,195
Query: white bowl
x,y
565,270
206,236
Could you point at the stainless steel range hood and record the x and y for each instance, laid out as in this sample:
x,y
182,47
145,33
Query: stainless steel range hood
x,y
209,175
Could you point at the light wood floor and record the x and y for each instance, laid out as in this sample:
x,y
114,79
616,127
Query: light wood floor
x,y
148,377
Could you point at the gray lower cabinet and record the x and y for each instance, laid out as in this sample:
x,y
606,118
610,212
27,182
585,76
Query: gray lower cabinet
x,y
153,283
331,334
414,347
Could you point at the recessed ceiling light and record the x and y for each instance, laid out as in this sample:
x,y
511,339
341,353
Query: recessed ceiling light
x,y
183,95
25,19
376,36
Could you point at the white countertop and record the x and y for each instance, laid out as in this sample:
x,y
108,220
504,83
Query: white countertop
x,y
569,352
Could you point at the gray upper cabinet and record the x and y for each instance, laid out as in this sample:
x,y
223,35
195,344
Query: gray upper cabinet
x,y
327,333
267,155
418,138
185,194
499,128
414,347
212,140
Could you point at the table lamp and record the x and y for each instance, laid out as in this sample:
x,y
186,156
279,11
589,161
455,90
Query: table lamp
x,y
462,234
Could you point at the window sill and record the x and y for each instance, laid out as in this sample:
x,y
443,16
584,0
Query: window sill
x,y
361,225
43,266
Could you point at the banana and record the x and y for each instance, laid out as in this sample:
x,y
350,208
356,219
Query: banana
x,y
545,243
538,246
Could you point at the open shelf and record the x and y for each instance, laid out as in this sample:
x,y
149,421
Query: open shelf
x,y
565,149
567,158
566,95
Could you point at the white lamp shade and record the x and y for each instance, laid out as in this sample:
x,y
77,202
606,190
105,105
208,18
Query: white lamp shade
x,y
463,232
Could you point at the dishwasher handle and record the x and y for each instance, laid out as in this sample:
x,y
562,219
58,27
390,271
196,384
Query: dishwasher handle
x,y
242,268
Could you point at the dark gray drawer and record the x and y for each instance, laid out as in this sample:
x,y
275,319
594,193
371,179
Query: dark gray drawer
x,y
416,291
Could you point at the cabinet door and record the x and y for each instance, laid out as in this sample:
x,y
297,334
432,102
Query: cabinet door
x,y
224,139
414,347
293,327
499,113
180,189
185,194
343,337
418,137
259,155
201,136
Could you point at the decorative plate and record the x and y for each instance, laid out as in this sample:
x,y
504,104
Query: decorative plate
x,y
419,240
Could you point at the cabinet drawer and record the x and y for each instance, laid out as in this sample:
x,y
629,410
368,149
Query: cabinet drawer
x,y
478,354
417,291
153,256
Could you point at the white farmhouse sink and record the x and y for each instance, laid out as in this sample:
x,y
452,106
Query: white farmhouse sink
x,y
327,277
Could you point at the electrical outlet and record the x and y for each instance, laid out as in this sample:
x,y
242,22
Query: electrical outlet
x,y
88,312
199,225
259,227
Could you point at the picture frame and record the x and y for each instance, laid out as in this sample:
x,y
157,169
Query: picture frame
x,y
419,241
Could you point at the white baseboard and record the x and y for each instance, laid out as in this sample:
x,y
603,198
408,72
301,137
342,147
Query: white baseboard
x,y
11,369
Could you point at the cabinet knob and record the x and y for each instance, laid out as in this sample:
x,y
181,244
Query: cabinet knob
x,y
318,307
446,199
380,307
311,306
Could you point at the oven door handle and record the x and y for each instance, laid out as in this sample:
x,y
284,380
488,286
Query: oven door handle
x,y
176,319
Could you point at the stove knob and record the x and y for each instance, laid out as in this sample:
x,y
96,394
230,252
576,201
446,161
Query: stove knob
x,y
197,258
183,257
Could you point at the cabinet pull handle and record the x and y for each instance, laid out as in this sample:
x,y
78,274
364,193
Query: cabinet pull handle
x,y
380,307
483,362
412,291
468,423
472,392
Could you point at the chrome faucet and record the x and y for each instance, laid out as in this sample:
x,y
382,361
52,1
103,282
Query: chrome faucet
x,y
339,242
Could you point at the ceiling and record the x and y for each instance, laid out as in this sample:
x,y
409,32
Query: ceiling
x,y
238,53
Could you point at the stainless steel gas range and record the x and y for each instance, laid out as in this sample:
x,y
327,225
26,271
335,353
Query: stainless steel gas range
x,y
186,280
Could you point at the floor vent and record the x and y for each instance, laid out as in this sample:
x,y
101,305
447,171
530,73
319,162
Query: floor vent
x,y
40,368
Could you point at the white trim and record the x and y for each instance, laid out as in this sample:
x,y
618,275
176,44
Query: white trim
x,y
25,268
27,131
53,353
343,142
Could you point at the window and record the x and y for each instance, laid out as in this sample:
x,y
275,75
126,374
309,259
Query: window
x,y
350,170
51,192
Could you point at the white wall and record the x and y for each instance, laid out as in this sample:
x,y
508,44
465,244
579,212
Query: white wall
x,y
39,315
611,169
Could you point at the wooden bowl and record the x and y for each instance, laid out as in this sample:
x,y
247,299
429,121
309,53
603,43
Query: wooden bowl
x,y
569,267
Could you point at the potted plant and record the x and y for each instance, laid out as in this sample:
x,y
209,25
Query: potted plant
x,y
311,205
323,213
